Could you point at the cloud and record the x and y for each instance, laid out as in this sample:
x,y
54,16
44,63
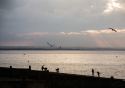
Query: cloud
x,y
61,33
56,15
106,31
62,21
74,33
112,5
33,34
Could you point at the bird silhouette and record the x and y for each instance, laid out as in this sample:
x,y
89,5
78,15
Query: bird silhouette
x,y
50,44
113,29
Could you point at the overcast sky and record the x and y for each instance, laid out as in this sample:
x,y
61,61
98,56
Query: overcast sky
x,y
83,23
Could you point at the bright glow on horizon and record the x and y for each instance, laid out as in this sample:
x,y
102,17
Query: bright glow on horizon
x,y
34,33
106,31
101,38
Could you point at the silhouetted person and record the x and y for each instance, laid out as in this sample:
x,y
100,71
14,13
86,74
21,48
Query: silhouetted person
x,y
57,70
42,67
92,72
98,74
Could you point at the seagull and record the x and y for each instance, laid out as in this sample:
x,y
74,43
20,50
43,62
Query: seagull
x,y
50,44
113,29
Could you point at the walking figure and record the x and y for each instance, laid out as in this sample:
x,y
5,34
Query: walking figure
x,y
92,72
42,67
98,74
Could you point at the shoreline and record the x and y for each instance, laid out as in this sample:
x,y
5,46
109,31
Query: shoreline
x,y
72,49
61,80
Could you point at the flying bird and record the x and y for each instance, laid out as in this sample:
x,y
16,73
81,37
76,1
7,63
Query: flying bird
x,y
113,29
50,44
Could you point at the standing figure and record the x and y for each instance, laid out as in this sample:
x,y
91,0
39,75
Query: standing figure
x,y
42,67
92,72
98,74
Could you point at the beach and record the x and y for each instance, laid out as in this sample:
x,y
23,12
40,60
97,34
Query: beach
x,y
43,79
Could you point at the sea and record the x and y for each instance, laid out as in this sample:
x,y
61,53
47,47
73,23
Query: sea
x,y
107,62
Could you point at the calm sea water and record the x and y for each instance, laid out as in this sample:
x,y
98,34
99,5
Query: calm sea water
x,y
108,63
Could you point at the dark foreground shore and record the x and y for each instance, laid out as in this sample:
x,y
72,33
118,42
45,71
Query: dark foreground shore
x,y
27,78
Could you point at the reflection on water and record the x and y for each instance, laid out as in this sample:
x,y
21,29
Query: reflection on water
x,y
75,62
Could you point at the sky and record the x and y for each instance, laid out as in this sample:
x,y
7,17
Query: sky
x,y
81,23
